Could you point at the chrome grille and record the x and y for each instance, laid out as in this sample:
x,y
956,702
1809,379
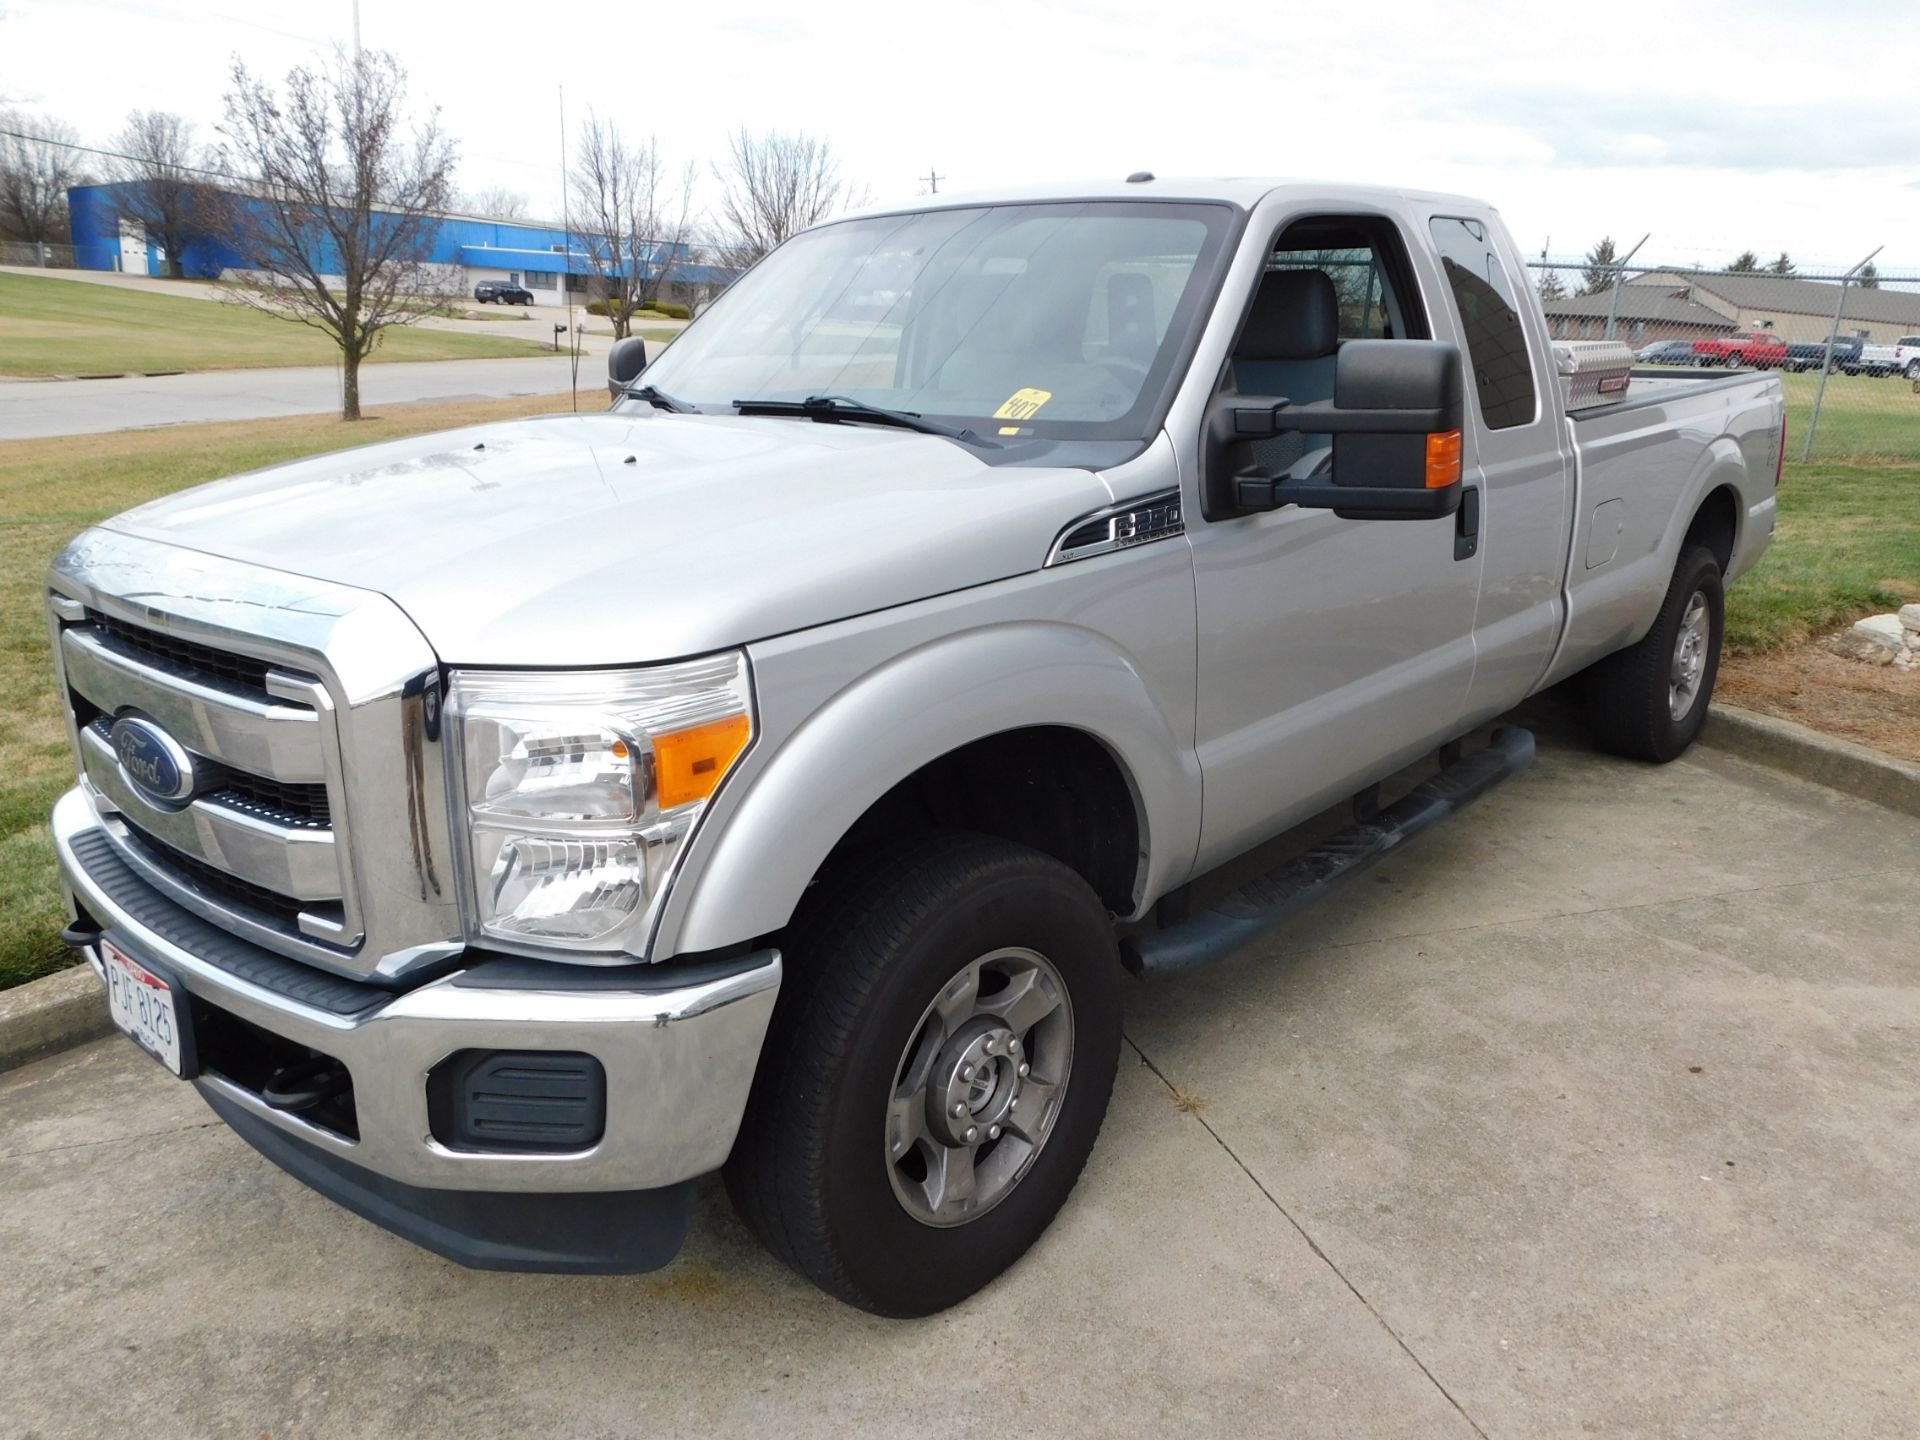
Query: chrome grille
x,y
255,848
268,682
201,663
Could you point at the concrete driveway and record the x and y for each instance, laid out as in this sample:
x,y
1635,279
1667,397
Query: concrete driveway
x,y
1593,1114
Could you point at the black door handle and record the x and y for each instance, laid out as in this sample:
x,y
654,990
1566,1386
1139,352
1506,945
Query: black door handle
x,y
1466,524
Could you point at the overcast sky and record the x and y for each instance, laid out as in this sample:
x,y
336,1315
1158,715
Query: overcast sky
x,y
1769,124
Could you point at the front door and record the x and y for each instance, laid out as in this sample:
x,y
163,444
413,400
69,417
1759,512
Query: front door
x,y
1331,651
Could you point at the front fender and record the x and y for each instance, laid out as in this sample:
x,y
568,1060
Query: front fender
x,y
804,795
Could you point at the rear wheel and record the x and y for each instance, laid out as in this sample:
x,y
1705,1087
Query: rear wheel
x,y
937,1074
1913,369
1649,701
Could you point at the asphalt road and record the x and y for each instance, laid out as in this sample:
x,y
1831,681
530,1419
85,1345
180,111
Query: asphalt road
x,y
34,409
1593,1113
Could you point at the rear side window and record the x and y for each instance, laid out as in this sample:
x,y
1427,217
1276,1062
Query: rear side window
x,y
1489,322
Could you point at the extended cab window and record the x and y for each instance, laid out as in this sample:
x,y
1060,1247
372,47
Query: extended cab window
x,y
1496,346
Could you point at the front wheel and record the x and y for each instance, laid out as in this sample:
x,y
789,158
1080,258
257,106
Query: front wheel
x,y
937,1073
1648,702
1913,369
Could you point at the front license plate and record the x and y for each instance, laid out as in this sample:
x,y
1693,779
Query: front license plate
x,y
142,1004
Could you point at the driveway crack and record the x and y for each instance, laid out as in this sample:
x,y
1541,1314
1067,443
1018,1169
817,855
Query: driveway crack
x,y
1315,1246
112,1140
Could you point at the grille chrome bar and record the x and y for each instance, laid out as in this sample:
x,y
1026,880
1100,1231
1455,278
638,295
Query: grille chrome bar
x,y
271,738
297,862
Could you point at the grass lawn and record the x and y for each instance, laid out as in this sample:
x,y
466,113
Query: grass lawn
x,y
1848,544
1861,418
68,327
49,490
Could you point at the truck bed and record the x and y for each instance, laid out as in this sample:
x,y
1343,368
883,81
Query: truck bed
x,y
1675,432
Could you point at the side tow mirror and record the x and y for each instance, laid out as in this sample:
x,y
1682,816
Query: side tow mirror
x,y
624,363
1394,421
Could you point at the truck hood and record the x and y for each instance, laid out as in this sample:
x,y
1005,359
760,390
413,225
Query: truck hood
x,y
613,538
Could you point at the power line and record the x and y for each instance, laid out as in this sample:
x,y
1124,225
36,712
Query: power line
x,y
121,155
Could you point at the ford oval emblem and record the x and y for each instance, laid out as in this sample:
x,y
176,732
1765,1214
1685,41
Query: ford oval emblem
x,y
154,762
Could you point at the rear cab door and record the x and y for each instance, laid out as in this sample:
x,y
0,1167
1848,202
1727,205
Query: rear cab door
x,y
1516,455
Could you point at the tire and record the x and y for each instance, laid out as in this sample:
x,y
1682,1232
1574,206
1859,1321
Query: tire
x,y
1631,696
814,1172
1913,369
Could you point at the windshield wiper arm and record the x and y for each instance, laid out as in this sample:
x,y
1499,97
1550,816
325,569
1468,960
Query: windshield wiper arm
x,y
657,398
830,408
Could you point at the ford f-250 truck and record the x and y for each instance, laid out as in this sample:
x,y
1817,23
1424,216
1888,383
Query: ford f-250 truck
x,y
780,772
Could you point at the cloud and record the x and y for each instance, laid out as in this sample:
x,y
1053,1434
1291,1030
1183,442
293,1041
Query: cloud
x,y
1609,129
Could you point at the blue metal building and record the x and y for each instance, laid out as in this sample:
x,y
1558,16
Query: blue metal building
x,y
549,260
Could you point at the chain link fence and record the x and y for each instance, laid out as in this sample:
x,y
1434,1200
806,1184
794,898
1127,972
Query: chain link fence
x,y
45,257
1850,349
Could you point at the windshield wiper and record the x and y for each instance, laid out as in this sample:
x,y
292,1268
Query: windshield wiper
x,y
657,398
830,408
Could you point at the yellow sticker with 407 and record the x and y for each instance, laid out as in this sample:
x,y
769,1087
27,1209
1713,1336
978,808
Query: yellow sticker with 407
x,y
1023,404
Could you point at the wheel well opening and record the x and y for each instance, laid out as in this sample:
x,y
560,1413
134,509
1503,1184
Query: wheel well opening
x,y
1715,525
1057,790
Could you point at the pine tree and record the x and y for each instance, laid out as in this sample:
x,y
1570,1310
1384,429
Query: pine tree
x,y
1596,278
1551,287
1869,277
1745,263
1782,266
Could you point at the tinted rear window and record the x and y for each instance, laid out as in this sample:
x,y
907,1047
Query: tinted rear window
x,y
1489,322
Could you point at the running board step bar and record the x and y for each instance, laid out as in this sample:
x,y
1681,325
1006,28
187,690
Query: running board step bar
x,y
1283,892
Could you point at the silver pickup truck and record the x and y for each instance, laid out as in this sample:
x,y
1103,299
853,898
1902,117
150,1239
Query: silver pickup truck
x,y
780,772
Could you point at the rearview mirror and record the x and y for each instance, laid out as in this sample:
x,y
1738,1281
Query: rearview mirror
x,y
1394,423
624,363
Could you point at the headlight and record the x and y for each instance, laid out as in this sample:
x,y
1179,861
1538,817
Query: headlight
x,y
578,788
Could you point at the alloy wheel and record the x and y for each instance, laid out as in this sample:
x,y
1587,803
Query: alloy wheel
x,y
979,1087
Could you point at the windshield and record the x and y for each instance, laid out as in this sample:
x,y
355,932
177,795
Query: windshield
x,y
1052,321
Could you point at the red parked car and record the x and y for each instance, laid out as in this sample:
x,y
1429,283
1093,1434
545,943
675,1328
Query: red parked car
x,y
1761,349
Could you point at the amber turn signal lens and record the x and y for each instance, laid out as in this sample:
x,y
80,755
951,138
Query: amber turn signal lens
x,y
688,764
1443,459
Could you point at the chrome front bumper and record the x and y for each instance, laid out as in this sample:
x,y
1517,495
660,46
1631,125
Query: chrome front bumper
x,y
679,1057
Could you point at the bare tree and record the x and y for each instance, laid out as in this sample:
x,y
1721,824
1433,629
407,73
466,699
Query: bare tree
x,y
338,231
38,162
773,186
630,215
496,202
163,185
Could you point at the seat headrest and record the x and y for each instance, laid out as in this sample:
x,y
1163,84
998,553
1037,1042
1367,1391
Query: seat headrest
x,y
1295,317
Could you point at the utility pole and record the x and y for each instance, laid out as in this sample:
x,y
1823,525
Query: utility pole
x,y
566,244
1619,279
1826,367
933,181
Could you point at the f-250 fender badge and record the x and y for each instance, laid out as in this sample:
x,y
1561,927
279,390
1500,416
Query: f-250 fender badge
x,y
1137,522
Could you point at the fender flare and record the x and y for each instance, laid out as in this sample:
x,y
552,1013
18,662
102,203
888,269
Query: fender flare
x,y
1723,465
750,864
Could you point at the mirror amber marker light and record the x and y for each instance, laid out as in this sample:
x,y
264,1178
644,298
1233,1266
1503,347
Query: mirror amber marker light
x,y
1443,459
